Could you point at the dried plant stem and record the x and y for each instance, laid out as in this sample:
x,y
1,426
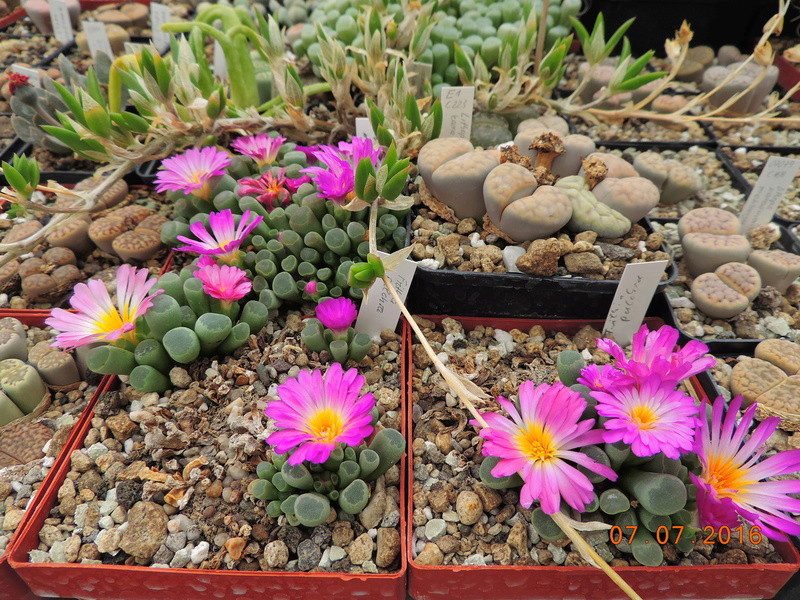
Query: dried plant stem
x,y
540,36
591,556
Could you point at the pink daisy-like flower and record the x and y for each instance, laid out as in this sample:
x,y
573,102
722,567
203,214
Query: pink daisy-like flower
x,y
272,190
97,318
225,238
262,148
192,172
337,314
314,412
335,179
599,377
538,442
652,417
224,283
731,486
652,355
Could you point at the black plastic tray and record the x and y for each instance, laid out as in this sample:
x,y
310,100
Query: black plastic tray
x,y
734,346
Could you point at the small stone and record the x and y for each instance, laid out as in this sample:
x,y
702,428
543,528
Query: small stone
x,y
342,533
434,529
430,555
12,518
374,511
122,428
583,263
146,531
475,560
72,548
95,450
236,545
518,537
490,498
388,546
181,558
200,553
108,541
176,541
276,554
360,550
80,462
179,377
559,554
510,256
469,507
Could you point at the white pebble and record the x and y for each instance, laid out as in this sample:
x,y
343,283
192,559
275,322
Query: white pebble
x,y
443,356
200,552
587,356
475,240
510,256
682,302
429,263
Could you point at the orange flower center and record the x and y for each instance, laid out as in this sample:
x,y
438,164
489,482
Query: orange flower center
x,y
643,416
726,477
536,442
326,425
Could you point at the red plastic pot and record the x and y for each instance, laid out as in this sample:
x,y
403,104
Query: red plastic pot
x,y
788,75
12,17
581,583
117,582
11,586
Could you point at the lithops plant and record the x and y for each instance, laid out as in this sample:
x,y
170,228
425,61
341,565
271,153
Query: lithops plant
x,y
489,130
22,384
553,152
704,252
727,291
709,219
132,233
306,492
777,268
746,77
39,13
332,331
633,197
459,182
675,181
771,379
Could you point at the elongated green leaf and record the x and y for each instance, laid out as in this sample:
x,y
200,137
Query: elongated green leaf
x,y
617,36
412,112
71,102
637,82
580,31
636,66
15,179
93,87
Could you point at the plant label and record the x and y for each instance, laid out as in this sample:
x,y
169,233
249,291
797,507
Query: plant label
x,y
364,128
378,311
457,111
31,74
97,38
160,14
419,73
62,23
220,64
634,293
772,184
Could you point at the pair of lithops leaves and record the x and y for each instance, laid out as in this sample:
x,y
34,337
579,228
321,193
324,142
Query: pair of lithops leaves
x,y
474,183
728,273
772,379
753,81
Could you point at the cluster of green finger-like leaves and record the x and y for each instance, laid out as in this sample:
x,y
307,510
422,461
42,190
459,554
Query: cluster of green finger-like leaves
x,y
22,175
342,348
306,492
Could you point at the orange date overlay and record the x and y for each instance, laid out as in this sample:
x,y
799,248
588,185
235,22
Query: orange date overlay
x,y
711,535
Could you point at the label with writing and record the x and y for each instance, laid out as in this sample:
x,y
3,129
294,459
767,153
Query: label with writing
x,y
457,111
378,311
32,74
418,74
62,24
220,64
97,38
772,184
364,128
634,293
160,14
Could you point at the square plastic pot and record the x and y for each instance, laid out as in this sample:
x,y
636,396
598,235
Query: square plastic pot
x,y
119,582
580,583
11,586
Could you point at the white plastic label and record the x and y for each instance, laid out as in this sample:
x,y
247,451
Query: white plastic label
x,y
419,73
31,74
634,293
378,311
364,128
160,14
457,111
97,38
62,24
771,187
220,64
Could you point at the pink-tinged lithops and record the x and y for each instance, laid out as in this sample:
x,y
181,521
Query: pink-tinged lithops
x,y
537,216
525,138
667,103
634,197
133,214
744,79
9,273
704,55
777,268
709,220
588,213
555,123
729,54
105,230
650,165
153,223
752,377
715,298
682,182
601,77
74,234
617,167
31,266
690,71
704,252
66,276
505,184
740,277
782,353
437,152
576,148
458,183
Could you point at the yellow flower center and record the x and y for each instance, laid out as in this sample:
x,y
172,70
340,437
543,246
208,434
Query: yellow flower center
x,y
112,321
326,425
536,443
643,417
725,476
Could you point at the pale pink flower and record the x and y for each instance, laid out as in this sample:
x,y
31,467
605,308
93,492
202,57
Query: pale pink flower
x,y
261,148
192,172
224,282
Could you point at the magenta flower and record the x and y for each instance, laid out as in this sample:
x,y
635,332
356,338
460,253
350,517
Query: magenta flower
x,y
261,148
272,190
652,417
311,288
337,314
225,238
652,355
224,283
314,412
97,318
538,441
193,172
335,179
731,485
600,377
